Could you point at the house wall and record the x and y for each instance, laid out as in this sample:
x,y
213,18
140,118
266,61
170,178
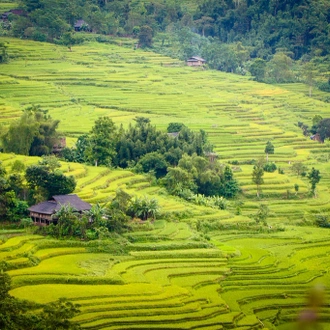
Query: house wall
x,y
198,63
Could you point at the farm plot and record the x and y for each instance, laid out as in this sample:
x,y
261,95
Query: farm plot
x,y
175,277
247,279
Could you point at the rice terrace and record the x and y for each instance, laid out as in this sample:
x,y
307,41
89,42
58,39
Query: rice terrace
x,y
194,266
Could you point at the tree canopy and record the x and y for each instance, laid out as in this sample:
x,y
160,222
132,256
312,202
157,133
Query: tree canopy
x,y
34,134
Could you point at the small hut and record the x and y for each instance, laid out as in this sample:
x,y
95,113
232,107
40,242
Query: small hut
x,y
195,61
80,25
42,214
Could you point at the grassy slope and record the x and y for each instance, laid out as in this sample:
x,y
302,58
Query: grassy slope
x,y
254,274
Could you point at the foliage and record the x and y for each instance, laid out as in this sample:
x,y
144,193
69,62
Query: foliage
x,y
269,149
21,314
323,128
102,141
33,134
145,36
46,183
3,52
262,214
257,175
322,220
314,178
270,167
197,174
11,207
174,127
144,208
298,168
155,162
143,144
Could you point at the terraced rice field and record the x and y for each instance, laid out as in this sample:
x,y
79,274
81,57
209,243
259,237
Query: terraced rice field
x,y
239,281
173,276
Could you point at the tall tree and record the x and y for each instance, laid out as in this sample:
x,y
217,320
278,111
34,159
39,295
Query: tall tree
x,y
314,178
269,149
145,36
323,128
257,176
102,142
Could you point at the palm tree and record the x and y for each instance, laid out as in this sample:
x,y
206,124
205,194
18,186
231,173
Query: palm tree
x,y
67,218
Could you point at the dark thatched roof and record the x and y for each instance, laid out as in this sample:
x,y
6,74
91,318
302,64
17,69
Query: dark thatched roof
x,y
79,24
53,205
196,59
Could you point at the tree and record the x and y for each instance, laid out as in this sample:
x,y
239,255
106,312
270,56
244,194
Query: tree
x,y
175,127
145,36
308,74
262,214
46,184
102,142
3,52
144,208
155,162
258,69
314,178
279,68
269,149
323,128
33,134
51,163
298,168
67,221
257,176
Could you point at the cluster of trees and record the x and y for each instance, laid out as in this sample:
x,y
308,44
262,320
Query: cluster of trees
x,y
196,174
176,156
100,222
297,26
47,20
34,134
26,186
319,126
111,146
262,37
21,314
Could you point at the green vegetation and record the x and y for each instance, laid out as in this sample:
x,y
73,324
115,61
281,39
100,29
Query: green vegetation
x,y
197,261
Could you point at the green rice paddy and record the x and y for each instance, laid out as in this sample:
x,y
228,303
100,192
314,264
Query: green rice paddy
x,y
235,276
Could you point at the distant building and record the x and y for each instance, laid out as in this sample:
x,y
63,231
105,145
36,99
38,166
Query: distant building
x,y
174,134
42,214
59,145
212,156
195,61
316,137
80,25
17,12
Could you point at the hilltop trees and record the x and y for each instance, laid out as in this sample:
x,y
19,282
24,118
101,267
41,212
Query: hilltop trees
x,y
108,145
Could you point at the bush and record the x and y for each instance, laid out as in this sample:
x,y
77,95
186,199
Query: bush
x,y
325,87
270,167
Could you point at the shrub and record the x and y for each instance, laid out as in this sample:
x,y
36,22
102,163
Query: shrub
x,y
270,167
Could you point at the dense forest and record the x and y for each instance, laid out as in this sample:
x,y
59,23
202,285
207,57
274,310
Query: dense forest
x,y
265,38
